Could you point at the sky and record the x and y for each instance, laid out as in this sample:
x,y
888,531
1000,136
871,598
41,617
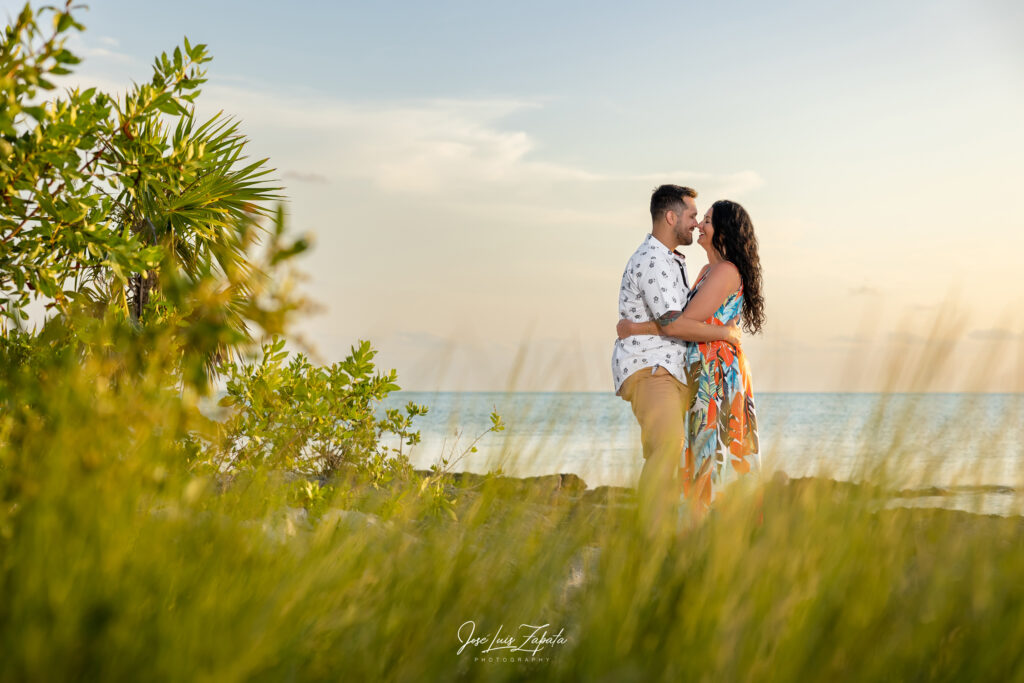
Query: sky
x,y
475,175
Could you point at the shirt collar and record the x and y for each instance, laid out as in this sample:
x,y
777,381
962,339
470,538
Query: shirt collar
x,y
651,239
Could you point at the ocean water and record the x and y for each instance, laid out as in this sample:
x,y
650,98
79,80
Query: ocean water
x,y
971,445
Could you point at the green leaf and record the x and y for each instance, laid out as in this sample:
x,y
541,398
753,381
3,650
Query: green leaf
x,y
63,22
36,112
168,105
65,57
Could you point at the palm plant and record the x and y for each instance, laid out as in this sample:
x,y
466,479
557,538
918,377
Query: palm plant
x,y
129,204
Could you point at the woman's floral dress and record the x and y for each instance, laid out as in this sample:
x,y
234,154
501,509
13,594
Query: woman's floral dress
x,y
721,441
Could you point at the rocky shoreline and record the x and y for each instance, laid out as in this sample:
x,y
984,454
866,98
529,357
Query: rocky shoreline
x,y
574,487
534,499
536,496
560,485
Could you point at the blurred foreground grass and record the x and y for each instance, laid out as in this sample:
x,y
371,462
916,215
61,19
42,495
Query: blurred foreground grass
x,y
118,564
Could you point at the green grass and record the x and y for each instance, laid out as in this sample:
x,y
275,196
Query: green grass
x,y
120,559
107,576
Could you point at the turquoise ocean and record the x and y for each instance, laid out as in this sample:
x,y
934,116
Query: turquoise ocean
x,y
968,449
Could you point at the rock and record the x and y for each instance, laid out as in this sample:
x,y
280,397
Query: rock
x,y
468,479
582,567
988,488
567,482
355,521
572,483
609,495
922,492
286,523
545,484
352,519
838,489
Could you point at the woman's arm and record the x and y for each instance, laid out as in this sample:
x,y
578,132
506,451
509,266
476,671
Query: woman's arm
x,y
721,281
687,325
682,328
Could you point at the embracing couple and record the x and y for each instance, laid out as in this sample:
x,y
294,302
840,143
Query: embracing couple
x,y
678,359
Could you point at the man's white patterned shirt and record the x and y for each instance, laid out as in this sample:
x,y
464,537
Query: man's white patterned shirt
x,y
653,283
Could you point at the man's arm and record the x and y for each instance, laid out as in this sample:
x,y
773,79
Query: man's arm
x,y
673,324
720,283
659,289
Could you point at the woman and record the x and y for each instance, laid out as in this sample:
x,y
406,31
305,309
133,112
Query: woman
x,y
722,421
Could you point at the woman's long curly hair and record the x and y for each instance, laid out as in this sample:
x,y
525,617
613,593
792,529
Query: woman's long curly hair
x,y
735,240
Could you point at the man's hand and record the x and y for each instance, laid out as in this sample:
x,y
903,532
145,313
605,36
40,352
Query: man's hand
x,y
735,336
624,328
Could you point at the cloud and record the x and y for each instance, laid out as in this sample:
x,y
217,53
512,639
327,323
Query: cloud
x,y
103,67
100,55
107,54
460,153
434,147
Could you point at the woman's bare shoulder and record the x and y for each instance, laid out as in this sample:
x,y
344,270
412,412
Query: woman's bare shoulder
x,y
725,271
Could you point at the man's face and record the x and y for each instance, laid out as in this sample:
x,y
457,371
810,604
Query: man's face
x,y
684,223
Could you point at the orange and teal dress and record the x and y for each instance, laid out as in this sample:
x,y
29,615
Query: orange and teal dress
x,y
721,441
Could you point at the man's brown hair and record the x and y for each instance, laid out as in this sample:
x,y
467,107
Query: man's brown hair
x,y
669,198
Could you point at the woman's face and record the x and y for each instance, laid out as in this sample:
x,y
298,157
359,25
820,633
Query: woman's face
x,y
707,231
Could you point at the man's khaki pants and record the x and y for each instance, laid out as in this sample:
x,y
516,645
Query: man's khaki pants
x,y
660,402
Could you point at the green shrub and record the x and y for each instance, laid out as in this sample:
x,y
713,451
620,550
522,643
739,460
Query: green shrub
x,y
295,415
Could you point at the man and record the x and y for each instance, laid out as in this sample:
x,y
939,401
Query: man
x,y
649,370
